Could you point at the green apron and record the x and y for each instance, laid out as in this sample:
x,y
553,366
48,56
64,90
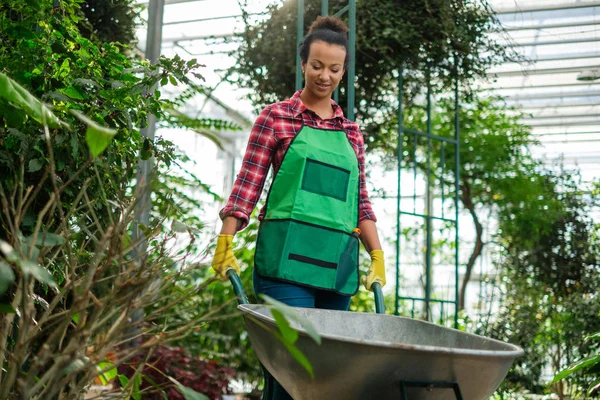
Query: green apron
x,y
312,208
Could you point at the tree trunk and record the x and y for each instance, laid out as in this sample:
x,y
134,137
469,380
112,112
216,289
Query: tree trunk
x,y
465,197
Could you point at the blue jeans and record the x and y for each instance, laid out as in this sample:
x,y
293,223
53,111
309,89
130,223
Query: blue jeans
x,y
295,296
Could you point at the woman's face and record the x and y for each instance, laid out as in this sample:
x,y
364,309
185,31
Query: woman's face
x,y
324,68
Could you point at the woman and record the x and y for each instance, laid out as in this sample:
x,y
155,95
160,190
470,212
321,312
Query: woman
x,y
306,252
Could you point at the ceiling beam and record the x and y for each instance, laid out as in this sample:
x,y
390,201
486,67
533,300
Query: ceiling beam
x,y
540,117
543,71
190,21
566,133
552,42
538,8
551,26
534,124
530,87
552,95
561,105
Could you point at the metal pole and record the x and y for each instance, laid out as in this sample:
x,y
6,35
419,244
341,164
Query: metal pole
x,y
145,167
400,144
456,192
429,210
324,7
352,66
299,36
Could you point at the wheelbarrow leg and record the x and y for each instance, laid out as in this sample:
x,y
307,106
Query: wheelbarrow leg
x,y
269,382
429,386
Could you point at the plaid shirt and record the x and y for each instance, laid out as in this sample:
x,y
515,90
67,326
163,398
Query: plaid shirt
x,y
270,138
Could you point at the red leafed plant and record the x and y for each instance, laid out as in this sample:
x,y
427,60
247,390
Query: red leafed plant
x,y
206,377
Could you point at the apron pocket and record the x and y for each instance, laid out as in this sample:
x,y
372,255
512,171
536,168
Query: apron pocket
x,y
325,179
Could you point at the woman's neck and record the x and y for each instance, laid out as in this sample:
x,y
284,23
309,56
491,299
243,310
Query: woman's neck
x,y
322,106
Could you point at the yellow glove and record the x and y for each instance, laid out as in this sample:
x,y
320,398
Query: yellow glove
x,y
376,271
224,259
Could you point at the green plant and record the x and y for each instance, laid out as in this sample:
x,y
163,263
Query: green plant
x,y
589,363
69,279
72,283
164,364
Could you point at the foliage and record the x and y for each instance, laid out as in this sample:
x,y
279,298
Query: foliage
x,y
69,279
498,175
551,286
74,74
110,21
414,35
588,363
221,337
165,362
75,288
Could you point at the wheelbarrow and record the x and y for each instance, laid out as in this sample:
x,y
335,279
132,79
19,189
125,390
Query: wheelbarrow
x,y
377,356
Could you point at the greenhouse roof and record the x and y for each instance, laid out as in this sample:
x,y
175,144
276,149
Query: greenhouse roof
x,y
558,87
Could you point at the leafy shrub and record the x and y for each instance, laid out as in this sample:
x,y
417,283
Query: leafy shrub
x,y
162,362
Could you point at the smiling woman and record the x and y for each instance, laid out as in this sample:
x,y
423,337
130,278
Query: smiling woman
x,y
317,206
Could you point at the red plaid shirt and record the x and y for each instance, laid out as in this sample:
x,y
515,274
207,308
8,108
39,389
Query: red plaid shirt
x,y
269,139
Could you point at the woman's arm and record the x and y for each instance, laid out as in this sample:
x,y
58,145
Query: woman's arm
x,y
250,181
369,236
230,225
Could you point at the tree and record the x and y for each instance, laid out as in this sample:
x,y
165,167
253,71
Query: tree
x,y
551,282
498,175
418,36
109,20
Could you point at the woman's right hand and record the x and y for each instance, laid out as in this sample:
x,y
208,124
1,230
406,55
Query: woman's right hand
x,y
224,259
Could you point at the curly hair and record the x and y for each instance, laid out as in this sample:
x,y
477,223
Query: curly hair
x,y
328,29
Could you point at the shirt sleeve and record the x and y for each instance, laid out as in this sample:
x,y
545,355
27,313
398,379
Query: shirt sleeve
x,y
365,211
250,180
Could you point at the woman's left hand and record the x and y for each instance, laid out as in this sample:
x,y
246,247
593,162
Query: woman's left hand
x,y
376,271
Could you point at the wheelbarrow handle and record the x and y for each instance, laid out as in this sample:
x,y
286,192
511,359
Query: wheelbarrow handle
x,y
379,306
242,299
237,287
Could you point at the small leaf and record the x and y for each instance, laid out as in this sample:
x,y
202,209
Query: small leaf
x,y
298,355
594,386
74,93
8,251
137,381
595,336
7,277
97,137
189,394
75,318
7,309
178,226
14,93
290,313
289,335
172,80
124,380
46,239
38,272
35,164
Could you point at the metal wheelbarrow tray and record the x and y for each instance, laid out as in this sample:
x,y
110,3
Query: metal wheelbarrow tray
x,y
376,356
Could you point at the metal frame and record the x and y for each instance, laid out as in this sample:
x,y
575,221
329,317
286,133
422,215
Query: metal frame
x,y
428,216
537,8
